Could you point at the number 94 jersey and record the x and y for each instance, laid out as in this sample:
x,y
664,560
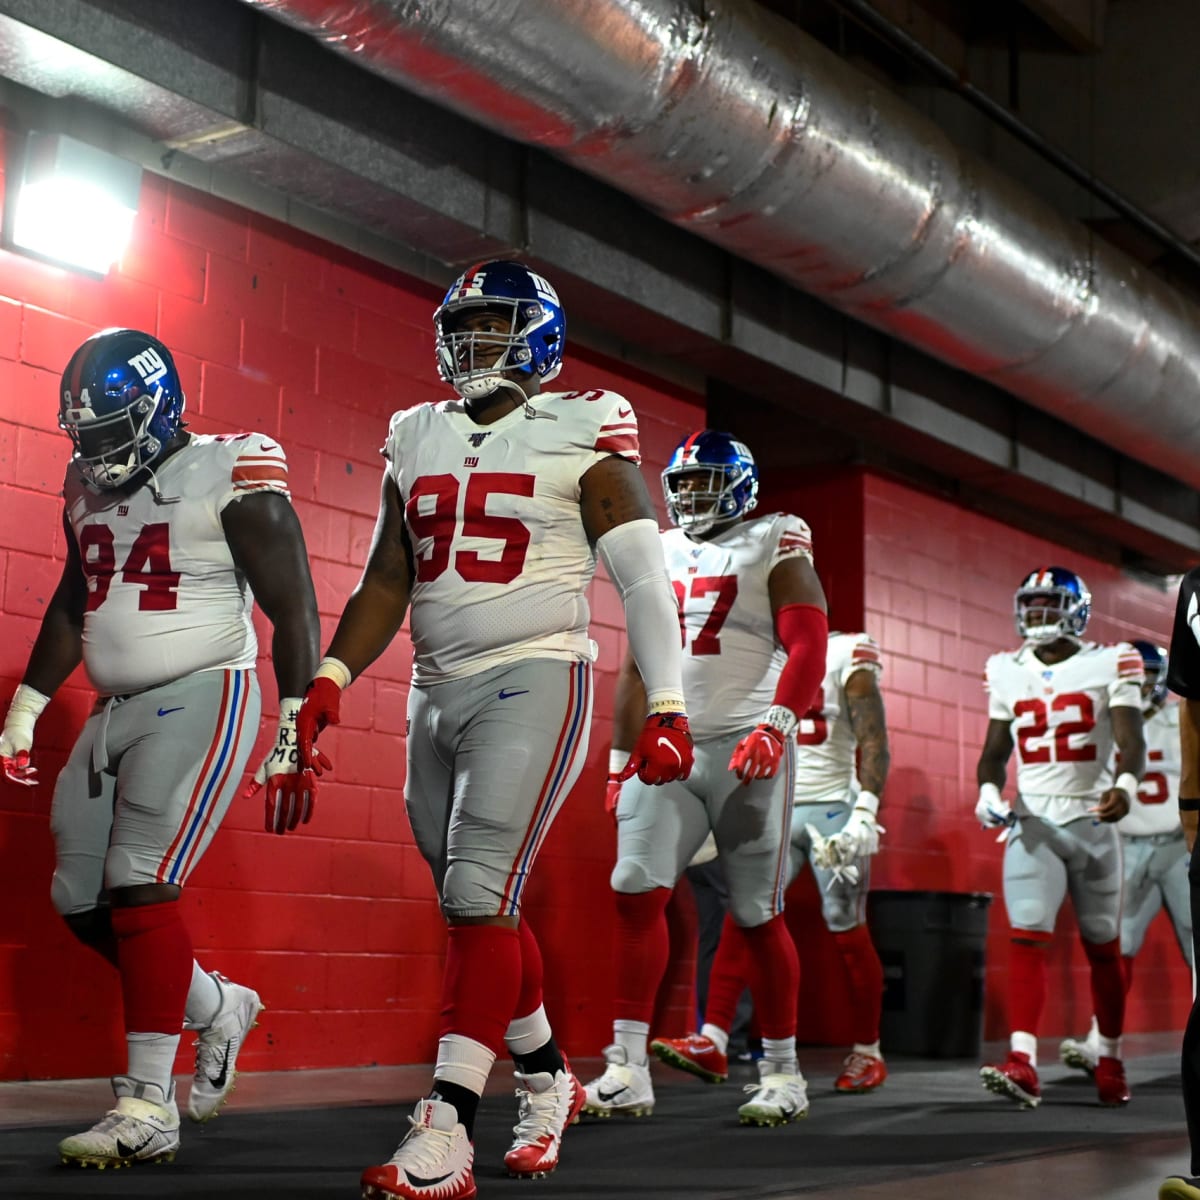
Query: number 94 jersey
x,y
1060,721
731,659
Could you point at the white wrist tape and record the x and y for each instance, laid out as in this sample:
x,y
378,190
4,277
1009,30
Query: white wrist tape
x,y
989,794
27,705
867,801
283,758
633,557
1128,783
781,718
335,669
617,760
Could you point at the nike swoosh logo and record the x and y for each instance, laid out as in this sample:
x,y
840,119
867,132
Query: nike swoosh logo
x,y
162,712
667,742
607,1096
129,1151
269,446
624,412
833,812
417,1181
219,1082
509,693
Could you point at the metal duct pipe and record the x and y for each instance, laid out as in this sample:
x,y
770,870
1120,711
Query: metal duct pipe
x,y
735,125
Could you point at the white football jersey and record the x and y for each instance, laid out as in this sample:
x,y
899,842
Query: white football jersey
x,y
731,658
1155,808
164,597
501,557
1060,722
825,743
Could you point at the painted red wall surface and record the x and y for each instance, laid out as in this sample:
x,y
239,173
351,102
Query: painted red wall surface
x,y
280,333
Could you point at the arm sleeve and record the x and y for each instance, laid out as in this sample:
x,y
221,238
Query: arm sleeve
x,y
633,557
803,630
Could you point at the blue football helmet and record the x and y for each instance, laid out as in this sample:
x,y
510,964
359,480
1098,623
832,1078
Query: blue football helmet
x,y
531,344
1059,598
723,467
122,402
1154,660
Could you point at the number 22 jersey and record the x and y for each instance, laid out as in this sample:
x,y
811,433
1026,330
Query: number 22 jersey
x,y
1060,721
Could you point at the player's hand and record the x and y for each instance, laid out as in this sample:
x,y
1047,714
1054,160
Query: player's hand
x,y
663,752
859,837
992,813
828,855
612,796
291,789
322,702
16,741
758,754
1114,804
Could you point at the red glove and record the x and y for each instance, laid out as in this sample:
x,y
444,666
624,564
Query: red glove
x,y
758,754
663,751
290,800
322,701
612,794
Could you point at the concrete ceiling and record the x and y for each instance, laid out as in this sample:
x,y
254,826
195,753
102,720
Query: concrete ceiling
x,y
224,98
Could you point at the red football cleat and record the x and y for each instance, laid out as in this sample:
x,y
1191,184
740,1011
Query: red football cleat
x,y
1110,1082
861,1073
1016,1077
695,1054
547,1104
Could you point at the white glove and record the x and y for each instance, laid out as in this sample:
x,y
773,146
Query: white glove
x,y
859,837
992,811
291,791
17,739
826,853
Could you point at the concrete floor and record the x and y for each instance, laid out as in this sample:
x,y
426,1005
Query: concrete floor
x,y
931,1132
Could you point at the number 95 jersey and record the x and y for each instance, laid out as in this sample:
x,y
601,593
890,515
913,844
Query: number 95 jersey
x,y
731,658
1060,722
164,597
500,555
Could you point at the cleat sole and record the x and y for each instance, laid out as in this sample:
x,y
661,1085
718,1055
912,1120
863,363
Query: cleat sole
x,y
633,1110
1076,1061
673,1058
999,1084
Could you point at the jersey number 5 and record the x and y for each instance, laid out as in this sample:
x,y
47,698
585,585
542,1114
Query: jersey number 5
x,y
1055,744
148,566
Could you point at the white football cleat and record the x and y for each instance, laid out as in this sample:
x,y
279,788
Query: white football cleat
x,y
217,1047
143,1127
1081,1053
777,1098
624,1090
434,1162
547,1104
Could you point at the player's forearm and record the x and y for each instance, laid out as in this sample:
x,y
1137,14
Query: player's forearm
x,y
874,760
371,619
1190,821
629,707
295,647
57,650
991,770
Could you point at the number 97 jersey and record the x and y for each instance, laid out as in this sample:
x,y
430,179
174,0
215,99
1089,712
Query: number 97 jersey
x,y
1060,719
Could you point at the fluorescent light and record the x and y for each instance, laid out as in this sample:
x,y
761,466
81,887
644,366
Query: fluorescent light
x,y
75,204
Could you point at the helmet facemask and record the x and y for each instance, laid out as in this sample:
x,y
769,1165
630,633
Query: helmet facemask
x,y
699,510
1046,614
477,362
111,450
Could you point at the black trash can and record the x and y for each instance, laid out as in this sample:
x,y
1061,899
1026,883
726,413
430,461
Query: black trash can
x,y
932,946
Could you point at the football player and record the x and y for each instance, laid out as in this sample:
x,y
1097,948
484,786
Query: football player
x,y
494,507
1152,843
834,828
1183,678
754,628
1063,703
170,538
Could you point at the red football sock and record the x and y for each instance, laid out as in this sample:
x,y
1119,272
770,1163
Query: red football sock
x,y
642,947
1127,966
154,957
727,978
1108,986
529,999
481,983
1026,982
862,964
774,970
